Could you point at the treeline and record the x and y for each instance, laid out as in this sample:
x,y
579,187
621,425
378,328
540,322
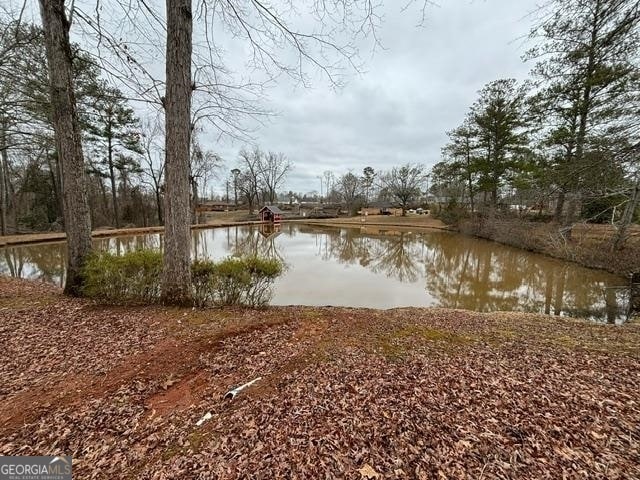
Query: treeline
x,y
404,186
124,155
259,176
565,143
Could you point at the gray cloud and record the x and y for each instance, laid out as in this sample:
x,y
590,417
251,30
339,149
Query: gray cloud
x,y
414,90
397,109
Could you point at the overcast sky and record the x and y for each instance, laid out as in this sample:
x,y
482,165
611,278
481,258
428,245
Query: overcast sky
x,y
397,109
412,92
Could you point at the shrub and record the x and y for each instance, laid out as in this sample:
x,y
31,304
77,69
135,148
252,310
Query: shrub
x,y
133,277
263,272
203,282
245,281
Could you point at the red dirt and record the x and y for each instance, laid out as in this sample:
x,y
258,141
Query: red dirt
x,y
178,396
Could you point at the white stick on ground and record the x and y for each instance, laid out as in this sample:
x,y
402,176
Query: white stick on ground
x,y
206,417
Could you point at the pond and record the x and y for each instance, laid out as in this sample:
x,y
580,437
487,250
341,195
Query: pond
x,y
381,268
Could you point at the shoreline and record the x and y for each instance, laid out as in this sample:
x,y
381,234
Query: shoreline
x,y
56,237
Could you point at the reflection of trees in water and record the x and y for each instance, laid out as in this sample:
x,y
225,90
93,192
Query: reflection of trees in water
x,y
397,255
462,272
484,276
120,245
42,262
400,257
254,241
47,262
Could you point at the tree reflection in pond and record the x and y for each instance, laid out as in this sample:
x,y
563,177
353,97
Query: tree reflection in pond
x,y
45,263
380,268
463,272
251,242
485,276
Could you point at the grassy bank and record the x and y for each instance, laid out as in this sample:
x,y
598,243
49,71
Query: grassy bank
x,y
345,393
590,244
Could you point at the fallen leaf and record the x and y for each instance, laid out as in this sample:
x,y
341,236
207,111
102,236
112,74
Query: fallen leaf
x,y
368,472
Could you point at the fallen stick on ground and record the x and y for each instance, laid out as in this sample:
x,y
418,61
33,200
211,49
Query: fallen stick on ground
x,y
206,417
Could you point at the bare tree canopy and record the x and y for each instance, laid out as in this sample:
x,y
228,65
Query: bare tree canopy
x,y
404,184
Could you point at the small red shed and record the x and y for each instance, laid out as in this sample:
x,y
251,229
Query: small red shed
x,y
270,213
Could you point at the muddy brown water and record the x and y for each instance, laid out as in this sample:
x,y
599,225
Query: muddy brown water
x,y
381,268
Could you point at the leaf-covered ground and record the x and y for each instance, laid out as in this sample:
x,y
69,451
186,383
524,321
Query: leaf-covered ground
x,y
345,393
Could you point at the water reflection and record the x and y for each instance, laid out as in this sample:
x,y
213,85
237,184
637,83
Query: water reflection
x,y
462,272
45,263
380,268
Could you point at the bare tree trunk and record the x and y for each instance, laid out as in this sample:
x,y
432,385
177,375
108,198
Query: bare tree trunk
x,y
112,178
194,201
53,169
627,217
103,195
68,141
584,114
3,183
573,204
559,206
159,204
176,281
471,193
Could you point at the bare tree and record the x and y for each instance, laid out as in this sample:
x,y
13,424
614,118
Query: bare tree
x,y
204,164
249,178
235,173
405,184
349,186
273,169
68,140
153,162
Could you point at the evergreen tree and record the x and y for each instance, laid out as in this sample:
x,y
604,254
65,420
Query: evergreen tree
x,y
498,121
114,128
588,75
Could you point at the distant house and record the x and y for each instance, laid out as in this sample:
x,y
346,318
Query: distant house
x,y
270,213
381,208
